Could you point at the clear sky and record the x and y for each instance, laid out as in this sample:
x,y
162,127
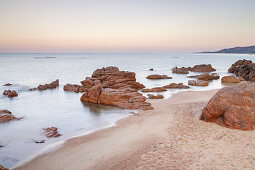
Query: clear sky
x,y
125,25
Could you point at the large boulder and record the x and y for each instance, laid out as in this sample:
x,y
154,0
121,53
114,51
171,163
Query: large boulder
x,y
233,107
51,132
113,87
176,86
6,116
230,79
243,68
157,76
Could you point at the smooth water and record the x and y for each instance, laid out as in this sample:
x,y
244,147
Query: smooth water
x,y
64,110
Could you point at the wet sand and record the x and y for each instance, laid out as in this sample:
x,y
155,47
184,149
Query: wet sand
x,y
169,137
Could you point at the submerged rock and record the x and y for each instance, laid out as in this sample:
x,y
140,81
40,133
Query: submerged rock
x,y
7,84
10,93
159,96
230,79
176,86
155,89
198,83
6,116
113,87
233,107
50,132
157,76
243,68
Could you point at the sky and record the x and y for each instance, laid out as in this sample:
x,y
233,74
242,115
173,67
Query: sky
x,y
125,25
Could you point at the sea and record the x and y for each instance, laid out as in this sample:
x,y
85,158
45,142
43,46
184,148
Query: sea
x,y
64,110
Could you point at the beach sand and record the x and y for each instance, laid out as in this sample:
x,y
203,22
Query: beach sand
x,y
169,137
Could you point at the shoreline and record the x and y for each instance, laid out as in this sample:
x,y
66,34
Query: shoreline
x,y
136,141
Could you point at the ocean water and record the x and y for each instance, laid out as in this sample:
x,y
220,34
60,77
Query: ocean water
x,y
55,107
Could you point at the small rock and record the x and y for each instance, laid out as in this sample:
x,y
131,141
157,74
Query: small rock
x,y
51,132
10,93
230,79
155,89
181,70
3,168
39,141
198,83
157,76
176,85
159,96
151,69
8,84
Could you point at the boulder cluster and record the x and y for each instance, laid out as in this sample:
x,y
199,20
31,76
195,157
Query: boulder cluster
x,y
243,68
10,93
233,107
113,87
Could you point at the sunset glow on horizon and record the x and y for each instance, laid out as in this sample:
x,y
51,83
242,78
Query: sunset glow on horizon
x,y
125,26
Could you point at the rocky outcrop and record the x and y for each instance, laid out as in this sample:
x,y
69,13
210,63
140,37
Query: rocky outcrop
x,y
51,132
51,85
207,76
230,79
182,70
113,87
7,84
202,68
159,96
198,83
3,168
155,89
243,68
10,93
6,116
157,76
233,107
176,86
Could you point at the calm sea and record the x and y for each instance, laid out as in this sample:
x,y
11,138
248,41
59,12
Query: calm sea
x,y
64,110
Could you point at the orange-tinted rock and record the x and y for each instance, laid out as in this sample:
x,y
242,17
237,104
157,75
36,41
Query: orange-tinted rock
x,y
198,83
159,96
8,84
72,87
3,168
155,89
202,68
182,70
243,68
50,132
6,116
207,76
10,93
113,87
230,79
51,85
157,76
233,107
176,86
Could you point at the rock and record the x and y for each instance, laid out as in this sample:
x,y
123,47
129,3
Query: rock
x,y
73,87
176,86
159,96
243,68
39,141
151,69
181,70
8,84
230,79
155,89
50,132
207,76
113,87
202,68
6,116
10,93
198,83
3,168
156,76
233,107
51,85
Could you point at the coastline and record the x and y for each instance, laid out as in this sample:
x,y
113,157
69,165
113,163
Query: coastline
x,y
170,131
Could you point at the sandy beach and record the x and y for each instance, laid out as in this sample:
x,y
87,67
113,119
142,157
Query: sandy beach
x,y
169,137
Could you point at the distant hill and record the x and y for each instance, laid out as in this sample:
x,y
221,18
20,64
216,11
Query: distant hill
x,y
236,50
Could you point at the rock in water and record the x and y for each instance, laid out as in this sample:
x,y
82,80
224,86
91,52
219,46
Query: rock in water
x,y
51,85
198,83
233,107
159,96
230,79
176,86
243,68
202,68
51,132
7,84
181,70
155,89
207,76
113,87
3,168
157,76
10,93
6,116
